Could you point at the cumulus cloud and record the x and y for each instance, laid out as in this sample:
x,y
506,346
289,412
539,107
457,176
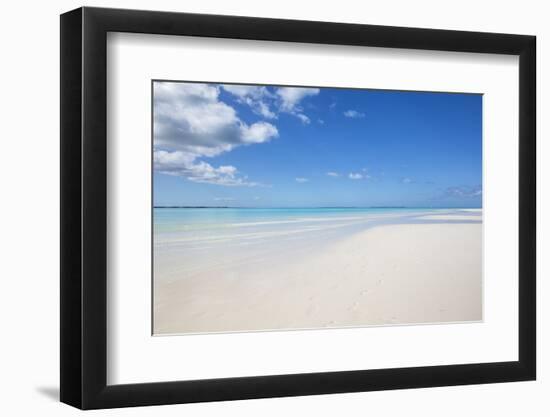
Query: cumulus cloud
x,y
191,118
268,104
291,96
333,174
258,132
181,164
242,91
355,176
301,180
289,99
263,109
354,114
191,123
256,97
406,181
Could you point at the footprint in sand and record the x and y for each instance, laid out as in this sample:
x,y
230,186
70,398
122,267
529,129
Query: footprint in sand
x,y
379,282
364,292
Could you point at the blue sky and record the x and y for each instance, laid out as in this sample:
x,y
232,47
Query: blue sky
x,y
264,146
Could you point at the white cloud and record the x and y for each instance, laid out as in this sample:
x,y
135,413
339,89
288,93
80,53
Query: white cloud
x,y
305,120
365,173
181,164
463,192
354,114
190,122
289,99
321,121
301,180
355,176
267,104
333,174
254,96
190,117
263,109
225,199
243,91
291,96
258,132
407,180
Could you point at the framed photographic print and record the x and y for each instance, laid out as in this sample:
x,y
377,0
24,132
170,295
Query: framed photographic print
x,y
258,208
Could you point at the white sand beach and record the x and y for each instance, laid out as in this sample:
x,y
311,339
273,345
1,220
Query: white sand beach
x,y
424,271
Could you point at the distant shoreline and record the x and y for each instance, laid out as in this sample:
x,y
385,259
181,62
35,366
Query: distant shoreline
x,y
333,208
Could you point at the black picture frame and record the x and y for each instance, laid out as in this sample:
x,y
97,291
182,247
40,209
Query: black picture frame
x,y
84,208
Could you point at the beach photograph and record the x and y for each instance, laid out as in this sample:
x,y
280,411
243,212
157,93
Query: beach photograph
x,y
279,208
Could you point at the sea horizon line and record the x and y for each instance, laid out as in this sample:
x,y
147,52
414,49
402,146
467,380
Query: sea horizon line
x,y
311,207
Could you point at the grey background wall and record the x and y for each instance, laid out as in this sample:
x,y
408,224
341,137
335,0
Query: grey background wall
x,y
29,102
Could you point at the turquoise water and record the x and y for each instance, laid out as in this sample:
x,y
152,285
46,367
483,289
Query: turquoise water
x,y
190,241
218,228
188,219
